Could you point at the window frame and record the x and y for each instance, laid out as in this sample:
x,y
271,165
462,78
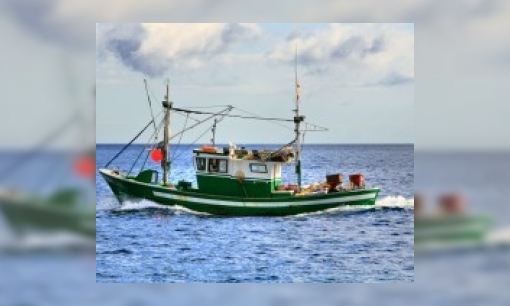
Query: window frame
x,y
258,165
218,161
205,164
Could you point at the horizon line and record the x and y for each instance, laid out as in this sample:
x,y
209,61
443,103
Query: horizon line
x,y
273,143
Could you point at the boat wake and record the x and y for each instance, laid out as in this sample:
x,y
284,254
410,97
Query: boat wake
x,y
144,205
140,205
387,203
395,202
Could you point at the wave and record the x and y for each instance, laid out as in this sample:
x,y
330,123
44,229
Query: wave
x,y
47,242
148,205
395,202
140,205
386,203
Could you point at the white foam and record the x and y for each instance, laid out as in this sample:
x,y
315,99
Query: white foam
x,y
146,204
140,205
499,237
395,202
387,202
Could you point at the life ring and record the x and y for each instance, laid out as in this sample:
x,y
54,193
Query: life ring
x,y
240,175
208,149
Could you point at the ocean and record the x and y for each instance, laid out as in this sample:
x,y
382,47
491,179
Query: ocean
x,y
471,277
141,241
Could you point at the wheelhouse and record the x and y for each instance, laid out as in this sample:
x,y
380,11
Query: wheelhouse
x,y
232,172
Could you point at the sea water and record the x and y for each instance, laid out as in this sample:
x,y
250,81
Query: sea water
x,y
141,241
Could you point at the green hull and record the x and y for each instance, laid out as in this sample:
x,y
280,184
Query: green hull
x,y
236,206
25,215
451,228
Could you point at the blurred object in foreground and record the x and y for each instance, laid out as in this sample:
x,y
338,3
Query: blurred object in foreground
x,y
462,228
47,147
477,181
449,226
65,210
43,197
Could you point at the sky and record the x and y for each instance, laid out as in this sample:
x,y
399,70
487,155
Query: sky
x,y
357,80
461,59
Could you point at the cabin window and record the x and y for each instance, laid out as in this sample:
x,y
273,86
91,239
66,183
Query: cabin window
x,y
201,163
223,165
258,168
218,165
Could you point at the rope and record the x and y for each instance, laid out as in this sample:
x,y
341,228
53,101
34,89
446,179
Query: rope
x,y
180,138
187,147
233,116
150,104
125,147
279,124
155,136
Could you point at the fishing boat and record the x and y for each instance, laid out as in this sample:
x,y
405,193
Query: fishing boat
x,y
64,211
233,180
448,229
450,226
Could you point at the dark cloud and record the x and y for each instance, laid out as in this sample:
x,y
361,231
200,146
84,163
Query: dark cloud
x,y
37,16
125,42
234,32
357,46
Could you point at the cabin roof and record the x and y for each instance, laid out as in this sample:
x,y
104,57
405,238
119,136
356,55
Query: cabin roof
x,y
244,154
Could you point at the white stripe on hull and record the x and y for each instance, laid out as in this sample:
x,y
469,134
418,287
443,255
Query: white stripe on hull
x,y
264,204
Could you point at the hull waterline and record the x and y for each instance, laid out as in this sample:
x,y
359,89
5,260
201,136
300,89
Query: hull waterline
x,y
125,188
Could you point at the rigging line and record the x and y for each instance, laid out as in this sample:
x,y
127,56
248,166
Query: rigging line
x,y
253,114
152,146
188,146
153,95
150,104
155,136
233,116
303,140
210,106
180,138
196,120
125,147
204,120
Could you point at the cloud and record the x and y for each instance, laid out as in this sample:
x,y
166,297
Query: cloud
x,y
365,54
45,20
152,49
395,79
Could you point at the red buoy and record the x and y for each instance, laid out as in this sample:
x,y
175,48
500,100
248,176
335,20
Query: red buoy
x,y
85,166
157,155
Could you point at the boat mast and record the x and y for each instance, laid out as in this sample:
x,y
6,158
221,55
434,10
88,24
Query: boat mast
x,y
165,164
297,121
213,139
